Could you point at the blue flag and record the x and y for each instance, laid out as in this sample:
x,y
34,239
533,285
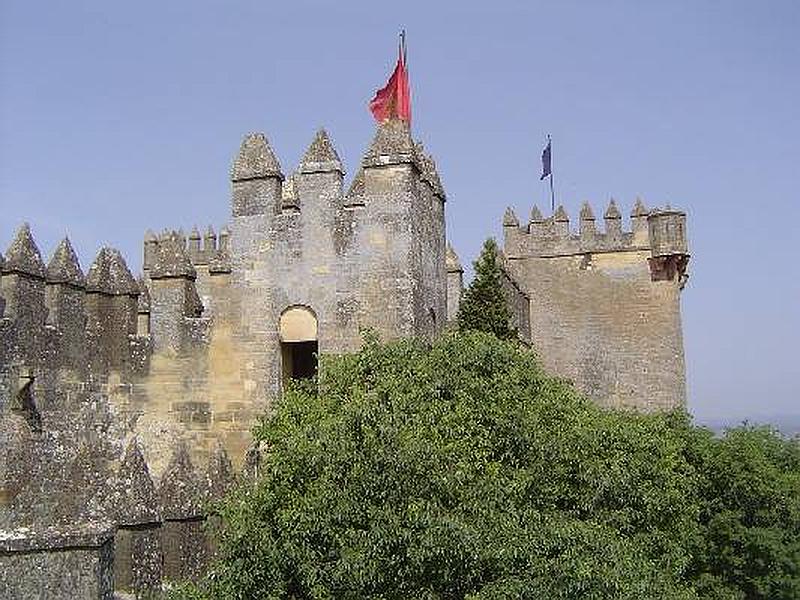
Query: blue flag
x,y
546,170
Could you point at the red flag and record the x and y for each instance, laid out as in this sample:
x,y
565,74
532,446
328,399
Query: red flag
x,y
394,99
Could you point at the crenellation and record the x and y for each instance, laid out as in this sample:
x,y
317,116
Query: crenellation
x,y
65,299
587,227
194,248
256,178
613,222
22,286
210,242
561,222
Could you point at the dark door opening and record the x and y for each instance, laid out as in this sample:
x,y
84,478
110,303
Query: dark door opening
x,y
299,359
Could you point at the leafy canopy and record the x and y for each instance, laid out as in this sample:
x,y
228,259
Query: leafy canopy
x,y
483,306
462,470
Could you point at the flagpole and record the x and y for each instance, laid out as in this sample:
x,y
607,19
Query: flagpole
x,y
552,192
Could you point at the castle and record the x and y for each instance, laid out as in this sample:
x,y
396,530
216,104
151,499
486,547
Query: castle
x,y
125,403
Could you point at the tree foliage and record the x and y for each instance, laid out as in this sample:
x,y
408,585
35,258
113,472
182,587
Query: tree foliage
x,y
484,306
463,471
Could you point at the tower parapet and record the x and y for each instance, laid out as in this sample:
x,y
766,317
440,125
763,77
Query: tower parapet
x,y
256,178
661,232
173,295
605,305
65,298
23,289
111,309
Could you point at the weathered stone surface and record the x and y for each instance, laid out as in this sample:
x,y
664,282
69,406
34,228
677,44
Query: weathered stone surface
x,y
171,259
23,255
607,305
392,144
52,564
219,476
180,493
255,159
109,274
138,560
64,266
321,157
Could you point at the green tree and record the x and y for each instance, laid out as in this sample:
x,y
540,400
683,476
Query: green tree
x,y
484,306
463,471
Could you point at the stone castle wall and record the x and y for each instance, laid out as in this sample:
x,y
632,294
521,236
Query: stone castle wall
x,y
181,363
131,402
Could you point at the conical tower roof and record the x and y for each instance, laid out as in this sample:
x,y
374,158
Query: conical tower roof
x,y
23,256
109,274
536,215
64,266
255,159
587,214
392,144
639,209
561,214
612,212
321,157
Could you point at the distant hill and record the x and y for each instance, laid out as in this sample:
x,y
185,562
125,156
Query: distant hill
x,y
788,425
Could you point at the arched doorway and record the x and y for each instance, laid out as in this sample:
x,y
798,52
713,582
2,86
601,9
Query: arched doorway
x,y
299,345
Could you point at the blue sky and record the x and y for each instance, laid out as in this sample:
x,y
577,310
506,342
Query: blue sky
x,y
116,117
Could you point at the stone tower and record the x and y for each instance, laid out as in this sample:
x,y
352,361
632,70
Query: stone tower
x,y
605,306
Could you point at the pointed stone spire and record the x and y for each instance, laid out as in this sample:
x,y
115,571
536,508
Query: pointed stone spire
x,y
149,236
639,209
180,492
391,145
321,157
23,256
613,220
172,260
120,276
561,214
210,241
137,500
587,227
255,159
64,266
224,236
355,195
219,477
510,218
452,263
109,274
612,212
536,215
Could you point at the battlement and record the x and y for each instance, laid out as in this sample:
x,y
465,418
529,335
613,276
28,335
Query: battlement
x,y
56,317
260,187
662,232
173,254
